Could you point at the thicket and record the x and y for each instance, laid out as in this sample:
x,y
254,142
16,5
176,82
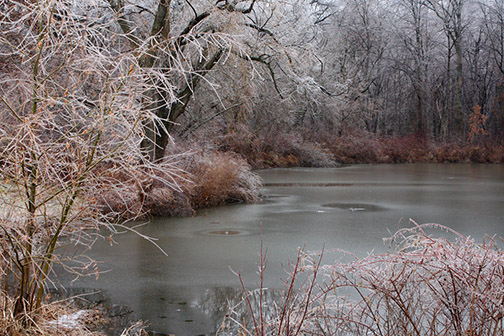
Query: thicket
x,y
203,178
424,285
308,148
355,148
74,109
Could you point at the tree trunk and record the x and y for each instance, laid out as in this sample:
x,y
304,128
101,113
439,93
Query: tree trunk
x,y
459,112
157,133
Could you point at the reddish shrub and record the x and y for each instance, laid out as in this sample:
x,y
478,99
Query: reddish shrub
x,y
220,178
424,286
277,149
195,179
478,154
324,149
451,153
354,148
406,149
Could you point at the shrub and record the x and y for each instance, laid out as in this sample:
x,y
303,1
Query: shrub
x,y
424,286
354,148
406,149
153,191
277,149
218,178
325,149
192,179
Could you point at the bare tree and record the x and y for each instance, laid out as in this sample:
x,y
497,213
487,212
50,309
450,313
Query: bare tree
x,y
357,52
72,115
178,45
450,13
493,14
413,54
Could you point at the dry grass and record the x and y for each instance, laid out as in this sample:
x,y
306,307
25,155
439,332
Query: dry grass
x,y
204,178
219,178
51,320
61,319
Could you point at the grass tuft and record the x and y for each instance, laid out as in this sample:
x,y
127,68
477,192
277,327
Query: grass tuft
x,y
202,178
219,178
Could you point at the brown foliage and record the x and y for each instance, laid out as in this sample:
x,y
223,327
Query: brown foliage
x,y
166,202
274,149
203,179
366,148
353,148
477,122
278,149
219,178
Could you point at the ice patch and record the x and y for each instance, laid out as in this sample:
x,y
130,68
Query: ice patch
x,y
69,321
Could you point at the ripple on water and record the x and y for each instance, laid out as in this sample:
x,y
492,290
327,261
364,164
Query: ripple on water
x,y
354,207
272,199
225,232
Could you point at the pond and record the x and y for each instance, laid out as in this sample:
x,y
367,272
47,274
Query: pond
x,y
351,208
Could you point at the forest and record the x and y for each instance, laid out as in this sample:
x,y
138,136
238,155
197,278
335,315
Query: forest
x,y
114,110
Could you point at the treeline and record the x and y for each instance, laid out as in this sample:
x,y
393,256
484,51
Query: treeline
x,y
428,69
433,68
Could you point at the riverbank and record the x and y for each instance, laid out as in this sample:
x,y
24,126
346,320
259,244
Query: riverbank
x,y
284,150
87,314
221,172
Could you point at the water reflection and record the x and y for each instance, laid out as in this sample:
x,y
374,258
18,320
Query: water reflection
x,y
355,206
226,302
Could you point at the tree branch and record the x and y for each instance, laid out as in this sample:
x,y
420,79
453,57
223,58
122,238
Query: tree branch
x,y
272,73
193,129
232,8
161,24
123,23
260,29
182,40
192,7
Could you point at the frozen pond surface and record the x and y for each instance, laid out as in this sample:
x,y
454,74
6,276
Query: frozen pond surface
x,y
351,208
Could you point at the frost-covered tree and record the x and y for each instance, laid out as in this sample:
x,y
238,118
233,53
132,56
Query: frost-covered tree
x,y
179,43
72,113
